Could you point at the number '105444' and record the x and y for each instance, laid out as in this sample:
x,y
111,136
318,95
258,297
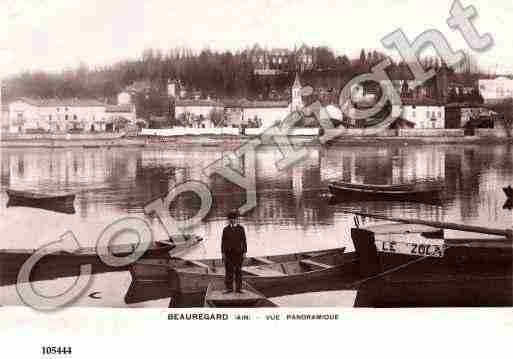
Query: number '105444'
x,y
53,350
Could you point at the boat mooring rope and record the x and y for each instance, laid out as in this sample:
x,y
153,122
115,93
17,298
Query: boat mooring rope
x,y
391,270
388,271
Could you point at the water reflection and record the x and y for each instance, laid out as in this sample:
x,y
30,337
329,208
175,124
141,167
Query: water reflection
x,y
116,181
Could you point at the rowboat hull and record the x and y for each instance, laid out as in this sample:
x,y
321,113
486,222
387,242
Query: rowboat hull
x,y
342,192
488,291
66,264
192,283
157,270
466,272
185,278
59,203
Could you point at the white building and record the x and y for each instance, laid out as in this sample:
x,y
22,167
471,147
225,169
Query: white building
x,y
241,112
115,114
61,115
496,90
267,112
197,112
422,113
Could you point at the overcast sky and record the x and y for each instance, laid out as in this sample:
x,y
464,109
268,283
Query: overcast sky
x,y
55,34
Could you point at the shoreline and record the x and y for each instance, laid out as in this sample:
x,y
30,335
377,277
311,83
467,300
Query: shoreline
x,y
236,141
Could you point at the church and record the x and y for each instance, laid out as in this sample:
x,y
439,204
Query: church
x,y
270,112
242,113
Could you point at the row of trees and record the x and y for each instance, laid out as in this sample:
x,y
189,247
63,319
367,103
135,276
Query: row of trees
x,y
223,74
216,74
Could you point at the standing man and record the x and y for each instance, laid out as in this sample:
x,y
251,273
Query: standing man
x,y
233,247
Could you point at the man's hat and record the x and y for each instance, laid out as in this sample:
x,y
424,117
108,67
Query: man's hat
x,y
233,214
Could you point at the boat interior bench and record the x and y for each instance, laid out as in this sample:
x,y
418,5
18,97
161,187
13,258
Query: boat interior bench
x,y
263,260
262,272
200,265
314,264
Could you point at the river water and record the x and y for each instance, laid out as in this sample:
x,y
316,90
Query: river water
x,y
293,212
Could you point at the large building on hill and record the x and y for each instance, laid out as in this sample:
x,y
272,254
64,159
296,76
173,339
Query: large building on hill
x,y
277,60
64,115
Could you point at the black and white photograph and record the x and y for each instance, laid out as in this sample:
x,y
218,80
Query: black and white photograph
x,y
274,156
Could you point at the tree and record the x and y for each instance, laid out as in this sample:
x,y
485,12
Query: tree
x,y
453,95
363,60
217,117
405,89
325,58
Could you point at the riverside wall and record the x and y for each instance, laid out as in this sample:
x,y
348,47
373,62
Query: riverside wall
x,y
230,137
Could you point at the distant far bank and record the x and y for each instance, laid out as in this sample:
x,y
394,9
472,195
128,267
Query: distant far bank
x,y
234,141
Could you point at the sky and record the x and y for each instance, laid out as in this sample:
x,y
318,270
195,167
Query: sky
x,y
53,35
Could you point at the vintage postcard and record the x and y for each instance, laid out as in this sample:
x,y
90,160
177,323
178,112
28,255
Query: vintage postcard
x,y
169,163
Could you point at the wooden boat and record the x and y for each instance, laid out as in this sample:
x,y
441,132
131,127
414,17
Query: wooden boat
x,y
272,275
508,191
52,201
403,192
213,144
65,264
250,297
413,265
145,270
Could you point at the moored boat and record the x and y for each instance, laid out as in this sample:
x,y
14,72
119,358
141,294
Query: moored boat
x,y
411,265
67,263
60,202
273,275
423,192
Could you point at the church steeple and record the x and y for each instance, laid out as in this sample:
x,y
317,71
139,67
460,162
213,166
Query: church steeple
x,y
297,83
297,101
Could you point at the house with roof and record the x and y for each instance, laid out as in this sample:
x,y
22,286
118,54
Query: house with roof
x,y
469,115
406,85
119,115
496,90
56,115
64,115
197,112
421,113
238,112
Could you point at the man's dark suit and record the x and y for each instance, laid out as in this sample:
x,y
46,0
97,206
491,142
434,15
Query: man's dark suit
x,y
233,247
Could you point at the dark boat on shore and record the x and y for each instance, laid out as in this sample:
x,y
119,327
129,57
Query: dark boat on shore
x,y
423,192
67,263
408,265
508,191
59,202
